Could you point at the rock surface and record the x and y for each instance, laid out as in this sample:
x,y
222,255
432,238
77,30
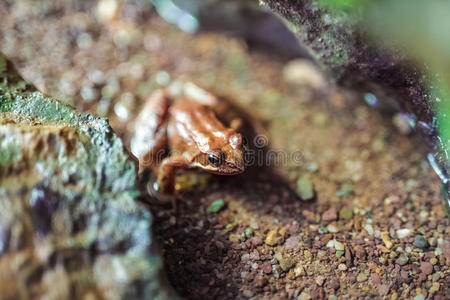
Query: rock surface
x,y
70,226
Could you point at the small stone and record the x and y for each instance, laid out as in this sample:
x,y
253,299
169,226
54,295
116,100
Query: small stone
x,y
383,289
433,261
361,277
402,123
247,293
107,10
420,242
267,267
434,287
271,238
254,224
292,243
286,263
320,119
256,241
254,255
245,257
368,228
375,278
303,72
305,188
426,268
308,255
320,280
304,296
342,267
259,281
402,233
345,190
216,206
339,253
299,270
248,232
419,297
346,213
402,260
386,240
339,246
436,276
329,215
332,228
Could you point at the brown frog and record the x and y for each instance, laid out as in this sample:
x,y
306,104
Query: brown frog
x,y
181,132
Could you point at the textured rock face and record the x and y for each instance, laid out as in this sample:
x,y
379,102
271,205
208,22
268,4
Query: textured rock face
x,y
70,226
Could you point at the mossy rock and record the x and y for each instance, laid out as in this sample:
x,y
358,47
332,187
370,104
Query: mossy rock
x,y
70,225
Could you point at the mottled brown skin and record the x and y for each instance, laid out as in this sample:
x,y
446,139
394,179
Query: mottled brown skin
x,y
195,138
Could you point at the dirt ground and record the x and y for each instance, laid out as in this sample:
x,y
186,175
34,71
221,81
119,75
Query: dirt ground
x,y
373,225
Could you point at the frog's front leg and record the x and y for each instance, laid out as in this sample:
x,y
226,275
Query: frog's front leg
x,y
168,171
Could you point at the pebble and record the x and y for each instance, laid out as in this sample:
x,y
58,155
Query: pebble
x,y
346,213
433,260
402,260
216,206
107,10
259,281
286,263
368,228
248,232
271,238
332,228
254,255
329,215
320,280
375,278
342,267
436,276
304,72
267,267
304,296
247,293
256,241
420,242
383,289
345,190
402,233
386,240
339,246
426,268
361,277
299,270
253,224
419,297
292,243
434,287
305,188
245,257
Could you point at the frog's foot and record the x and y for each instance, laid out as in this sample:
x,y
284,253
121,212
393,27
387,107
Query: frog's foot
x,y
167,173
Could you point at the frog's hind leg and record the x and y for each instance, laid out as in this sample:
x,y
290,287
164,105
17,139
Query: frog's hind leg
x,y
168,171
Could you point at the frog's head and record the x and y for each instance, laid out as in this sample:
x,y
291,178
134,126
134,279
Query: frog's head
x,y
227,158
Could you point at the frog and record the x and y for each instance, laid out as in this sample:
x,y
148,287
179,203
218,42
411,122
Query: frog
x,y
178,131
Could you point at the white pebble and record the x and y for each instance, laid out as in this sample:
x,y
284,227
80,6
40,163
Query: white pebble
x,y
402,233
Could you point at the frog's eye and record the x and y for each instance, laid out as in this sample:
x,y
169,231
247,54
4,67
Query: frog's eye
x,y
216,158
